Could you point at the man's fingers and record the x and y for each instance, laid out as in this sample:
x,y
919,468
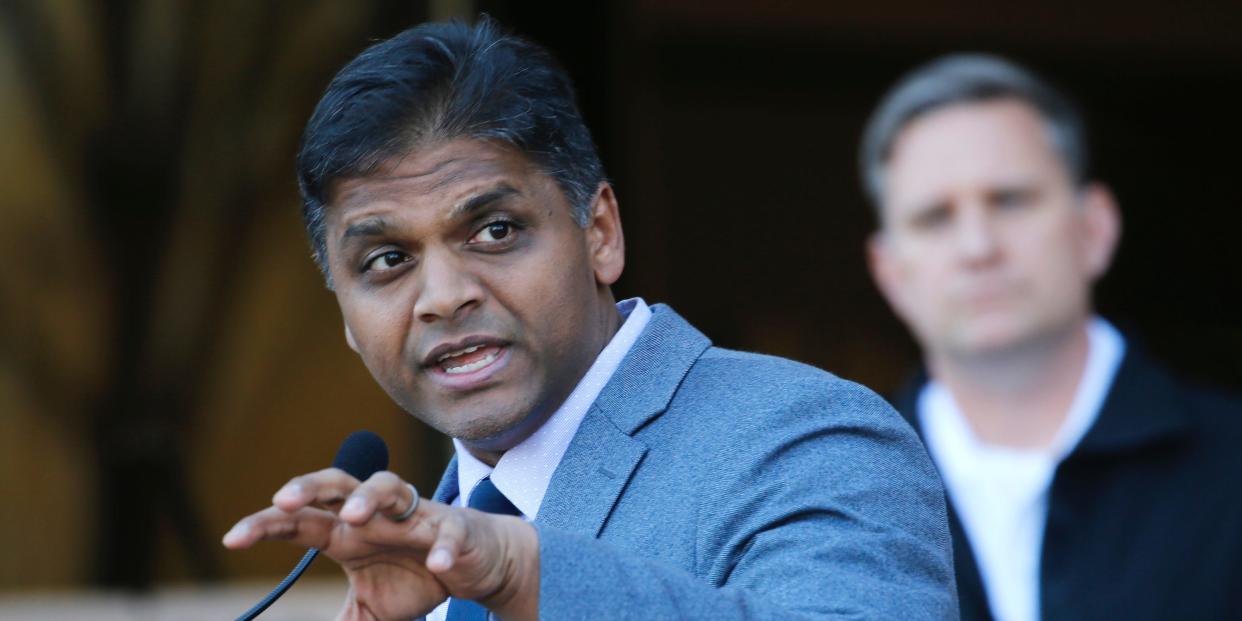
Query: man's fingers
x,y
307,527
385,494
448,543
326,488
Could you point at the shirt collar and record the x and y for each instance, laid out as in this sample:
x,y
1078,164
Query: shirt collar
x,y
524,471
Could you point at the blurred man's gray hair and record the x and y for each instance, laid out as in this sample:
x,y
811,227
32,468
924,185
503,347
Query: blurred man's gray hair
x,y
968,78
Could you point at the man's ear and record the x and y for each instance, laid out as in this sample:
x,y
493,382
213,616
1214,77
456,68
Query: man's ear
x,y
1102,228
605,240
349,339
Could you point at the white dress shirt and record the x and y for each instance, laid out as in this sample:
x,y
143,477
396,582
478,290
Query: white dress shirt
x,y
1001,493
524,471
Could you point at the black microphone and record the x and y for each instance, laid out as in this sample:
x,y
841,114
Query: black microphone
x,y
361,455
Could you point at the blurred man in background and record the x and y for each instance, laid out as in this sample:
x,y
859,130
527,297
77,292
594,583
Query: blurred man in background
x,y
1085,482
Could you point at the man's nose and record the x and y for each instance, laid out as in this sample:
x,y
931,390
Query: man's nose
x,y
976,236
447,291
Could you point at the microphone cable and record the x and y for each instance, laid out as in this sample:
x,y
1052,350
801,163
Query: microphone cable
x,y
362,454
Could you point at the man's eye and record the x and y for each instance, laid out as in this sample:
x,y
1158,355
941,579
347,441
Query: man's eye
x,y
933,217
494,232
1011,199
386,261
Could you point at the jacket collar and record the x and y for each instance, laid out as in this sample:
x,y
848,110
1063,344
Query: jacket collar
x,y
1143,407
644,384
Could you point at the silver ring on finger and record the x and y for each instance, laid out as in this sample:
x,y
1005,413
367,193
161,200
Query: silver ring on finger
x,y
405,515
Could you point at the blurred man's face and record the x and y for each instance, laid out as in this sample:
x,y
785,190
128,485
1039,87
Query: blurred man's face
x,y
470,292
986,244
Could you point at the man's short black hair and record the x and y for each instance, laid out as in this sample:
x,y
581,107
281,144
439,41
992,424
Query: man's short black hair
x,y
437,82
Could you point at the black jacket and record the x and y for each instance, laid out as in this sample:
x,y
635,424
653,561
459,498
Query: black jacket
x,y
1144,516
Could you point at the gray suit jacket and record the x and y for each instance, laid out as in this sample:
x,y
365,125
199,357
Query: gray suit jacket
x,y
712,484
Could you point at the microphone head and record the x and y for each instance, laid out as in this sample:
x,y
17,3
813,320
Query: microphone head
x,y
362,454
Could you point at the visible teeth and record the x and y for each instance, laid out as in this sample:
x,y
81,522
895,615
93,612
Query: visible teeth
x,y
460,352
473,366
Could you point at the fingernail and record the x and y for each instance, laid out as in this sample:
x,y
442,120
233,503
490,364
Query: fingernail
x,y
355,505
440,557
289,492
237,532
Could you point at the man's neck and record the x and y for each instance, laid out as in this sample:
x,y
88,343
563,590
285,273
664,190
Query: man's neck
x,y
1020,397
609,322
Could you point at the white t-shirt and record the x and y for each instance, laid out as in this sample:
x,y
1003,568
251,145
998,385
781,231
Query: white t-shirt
x,y
1001,493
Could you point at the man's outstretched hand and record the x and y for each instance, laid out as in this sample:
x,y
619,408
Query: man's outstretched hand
x,y
402,570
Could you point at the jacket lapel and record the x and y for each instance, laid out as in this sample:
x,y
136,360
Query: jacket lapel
x,y
1143,407
589,480
603,455
446,491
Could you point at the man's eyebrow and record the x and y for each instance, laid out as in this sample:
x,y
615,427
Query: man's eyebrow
x,y
479,201
366,227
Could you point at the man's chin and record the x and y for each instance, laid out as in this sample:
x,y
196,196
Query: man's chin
x,y
495,434
494,420
988,339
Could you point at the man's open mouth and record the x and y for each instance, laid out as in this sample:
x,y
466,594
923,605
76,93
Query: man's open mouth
x,y
468,359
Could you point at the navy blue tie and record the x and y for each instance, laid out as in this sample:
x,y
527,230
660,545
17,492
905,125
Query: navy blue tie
x,y
485,497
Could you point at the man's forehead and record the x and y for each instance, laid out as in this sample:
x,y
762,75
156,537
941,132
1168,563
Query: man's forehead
x,y
996,142
457,168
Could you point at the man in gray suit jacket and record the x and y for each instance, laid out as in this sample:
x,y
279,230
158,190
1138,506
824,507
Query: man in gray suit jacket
x,y
610,462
